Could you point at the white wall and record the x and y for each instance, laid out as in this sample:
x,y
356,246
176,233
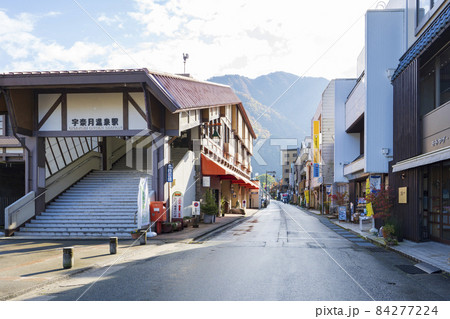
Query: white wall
x,y
385,43
184,177
346,146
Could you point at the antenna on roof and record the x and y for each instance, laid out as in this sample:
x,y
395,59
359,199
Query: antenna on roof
x,y
185,57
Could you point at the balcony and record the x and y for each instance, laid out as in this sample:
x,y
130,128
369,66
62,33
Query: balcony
x,y
356,103
356,166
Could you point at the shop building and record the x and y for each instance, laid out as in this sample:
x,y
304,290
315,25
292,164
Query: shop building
x,y
368,109
421,164
302,172
88,137
288,158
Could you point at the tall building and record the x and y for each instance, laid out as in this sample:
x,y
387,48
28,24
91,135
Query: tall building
x,y
420,173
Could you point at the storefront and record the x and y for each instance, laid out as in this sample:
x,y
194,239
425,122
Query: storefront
x,y
421,122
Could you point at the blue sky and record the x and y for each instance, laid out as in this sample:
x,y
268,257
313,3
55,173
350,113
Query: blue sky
x,y
249,38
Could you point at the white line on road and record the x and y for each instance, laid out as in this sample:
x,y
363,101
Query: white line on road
x,y
326,252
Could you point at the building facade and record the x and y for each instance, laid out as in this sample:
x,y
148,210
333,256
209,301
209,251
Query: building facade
x,y
183,135
368,109
420,173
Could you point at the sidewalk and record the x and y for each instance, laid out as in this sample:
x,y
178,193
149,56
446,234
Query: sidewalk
x,y
27,264
433,253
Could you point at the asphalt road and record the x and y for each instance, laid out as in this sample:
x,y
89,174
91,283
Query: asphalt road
x,y
281,253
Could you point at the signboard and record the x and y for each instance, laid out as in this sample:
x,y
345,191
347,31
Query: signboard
x,y
170,173
316,170
328,189
177,205
342,213
94,111
206,181
143,212
244,203
307,197
402,195
369,209
195,208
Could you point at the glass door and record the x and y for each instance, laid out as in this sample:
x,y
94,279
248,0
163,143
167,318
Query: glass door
x,y
434,209
446,201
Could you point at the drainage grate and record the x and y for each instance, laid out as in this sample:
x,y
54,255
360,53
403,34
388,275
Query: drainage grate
x,y
410,269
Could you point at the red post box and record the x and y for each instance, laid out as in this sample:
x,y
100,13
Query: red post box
x,y
158,212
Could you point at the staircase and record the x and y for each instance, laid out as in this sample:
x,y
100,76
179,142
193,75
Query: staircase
x,y
102,204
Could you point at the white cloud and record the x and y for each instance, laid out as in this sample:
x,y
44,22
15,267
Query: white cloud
x,y
254,37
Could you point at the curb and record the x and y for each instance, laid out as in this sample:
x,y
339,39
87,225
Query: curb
x,y
221,228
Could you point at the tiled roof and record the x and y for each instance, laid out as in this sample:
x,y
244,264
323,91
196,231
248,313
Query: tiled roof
x,y
435,29
9,141
176,92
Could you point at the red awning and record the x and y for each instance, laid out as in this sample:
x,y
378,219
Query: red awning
x,y
210,167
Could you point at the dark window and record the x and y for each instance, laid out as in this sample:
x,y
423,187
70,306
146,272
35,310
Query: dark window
x,y
286,170
2,125
434,82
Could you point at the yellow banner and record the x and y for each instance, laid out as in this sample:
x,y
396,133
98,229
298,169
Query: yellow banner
x,y
367,186
369,209
316,127
316,156
316,141
307,196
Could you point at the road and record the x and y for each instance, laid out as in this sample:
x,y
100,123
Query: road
x,y
280,253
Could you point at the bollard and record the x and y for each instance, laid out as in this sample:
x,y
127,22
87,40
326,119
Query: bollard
x,y
67,257
113,241
143,237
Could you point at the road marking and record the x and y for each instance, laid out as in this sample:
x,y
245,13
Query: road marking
x,y
326,252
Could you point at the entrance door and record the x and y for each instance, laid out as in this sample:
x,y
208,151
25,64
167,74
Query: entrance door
x,y
439,201
446,201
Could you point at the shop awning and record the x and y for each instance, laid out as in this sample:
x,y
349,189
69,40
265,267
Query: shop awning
x,y
421,160
210,167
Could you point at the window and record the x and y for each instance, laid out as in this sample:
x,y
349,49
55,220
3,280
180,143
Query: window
x,y
423,7
2,125
286,170
434,84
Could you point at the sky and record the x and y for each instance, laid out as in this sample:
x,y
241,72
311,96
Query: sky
x,y
248,38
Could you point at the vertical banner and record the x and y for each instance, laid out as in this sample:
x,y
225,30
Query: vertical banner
x,y
177,205
307,197
143,212
316,132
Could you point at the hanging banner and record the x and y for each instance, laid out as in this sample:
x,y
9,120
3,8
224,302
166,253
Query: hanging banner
x,y
369,209
143,212
316,132
177,205
375,182
316,170
307,197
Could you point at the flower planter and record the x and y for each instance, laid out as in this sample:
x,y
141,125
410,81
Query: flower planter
x,y
135,235
167,228
209,219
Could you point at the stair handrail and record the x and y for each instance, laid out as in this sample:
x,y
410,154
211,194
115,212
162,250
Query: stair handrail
x,y
9,216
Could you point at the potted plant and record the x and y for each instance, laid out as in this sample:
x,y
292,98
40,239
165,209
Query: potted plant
x,y
224,206
209,207
187,220
167,227
388,235
135,233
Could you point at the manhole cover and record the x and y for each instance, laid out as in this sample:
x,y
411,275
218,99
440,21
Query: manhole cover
x,y
410,269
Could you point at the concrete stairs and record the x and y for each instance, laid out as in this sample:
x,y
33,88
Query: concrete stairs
x,y
102,204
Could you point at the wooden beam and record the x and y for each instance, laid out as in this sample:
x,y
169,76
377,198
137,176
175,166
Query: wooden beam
x,y
125,110
148,107
137,107
50,112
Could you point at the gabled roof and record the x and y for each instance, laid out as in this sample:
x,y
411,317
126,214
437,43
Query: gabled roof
x,y
434,30
176,93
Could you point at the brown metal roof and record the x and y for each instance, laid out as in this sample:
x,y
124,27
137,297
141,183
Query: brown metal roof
x,y
189,93
9,141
